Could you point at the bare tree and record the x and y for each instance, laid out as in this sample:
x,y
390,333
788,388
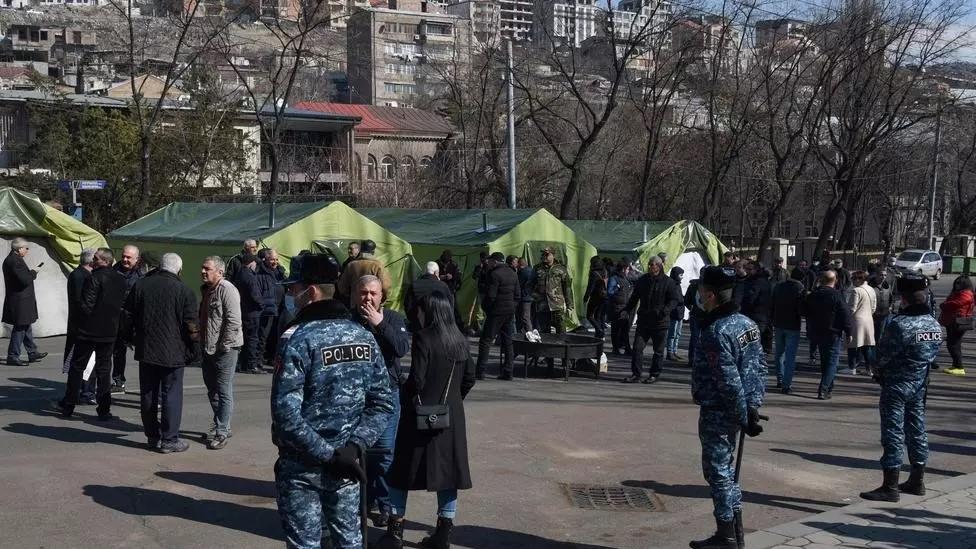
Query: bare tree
x,y
960,157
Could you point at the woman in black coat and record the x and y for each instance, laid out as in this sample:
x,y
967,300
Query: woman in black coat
x,y
436,461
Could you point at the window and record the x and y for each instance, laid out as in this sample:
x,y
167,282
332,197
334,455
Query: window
x,y
35,35
931,258
371,168
392,88
388,167
909,256
425,163
22,33
76,36
43,36
409,166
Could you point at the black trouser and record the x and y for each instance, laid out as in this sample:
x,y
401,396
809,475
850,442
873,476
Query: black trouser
x,y
765,335
658,336
118,362
620,332
524,317
87,387
103,374
954,343
596,315
264,333
160,386
496,325
250,359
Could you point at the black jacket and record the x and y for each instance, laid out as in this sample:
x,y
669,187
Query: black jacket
x,y
433,461
658,296
503,291
809,278
827,315
788,300
678,313
394,341
525,281
267,283
76,283
102,298
421,288
163,313
778,274
252,298
450,268
697,313
623,289
757,298
19,302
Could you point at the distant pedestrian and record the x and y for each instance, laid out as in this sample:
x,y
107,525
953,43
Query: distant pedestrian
x,y
365,264
552,292
808,276
619,290
526,281
131,268
102,298
352,254
863,305
221,339
695,316
428,283
786,316
830,325
20,304
165,320
595,296
883,291
435,461
250,247
778,273
757,301
252,306
269,275
677,318
957,316
500,303
76,286
657,295
450,273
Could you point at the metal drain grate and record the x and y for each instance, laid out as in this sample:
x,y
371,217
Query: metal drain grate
x,y
612,498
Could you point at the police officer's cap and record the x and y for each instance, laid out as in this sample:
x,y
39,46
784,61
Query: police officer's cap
x,y
911,283
718,277
313,269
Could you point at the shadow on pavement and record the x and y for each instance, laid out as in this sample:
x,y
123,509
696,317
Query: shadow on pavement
x,y
965,435
224,484
482,537
701,491
145,502
943,448
71,434
852,462
33,394
903,531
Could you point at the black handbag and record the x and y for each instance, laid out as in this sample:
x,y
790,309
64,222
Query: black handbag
x,y
435,417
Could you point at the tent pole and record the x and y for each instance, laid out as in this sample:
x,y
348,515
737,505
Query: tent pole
x,y
271,214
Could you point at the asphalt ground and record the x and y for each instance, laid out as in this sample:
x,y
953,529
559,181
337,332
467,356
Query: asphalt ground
x,y
81,483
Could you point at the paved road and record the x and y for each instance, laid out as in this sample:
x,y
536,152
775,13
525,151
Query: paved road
x,y
71,483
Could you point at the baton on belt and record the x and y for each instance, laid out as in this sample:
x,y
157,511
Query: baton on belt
x,y
363,510
742,443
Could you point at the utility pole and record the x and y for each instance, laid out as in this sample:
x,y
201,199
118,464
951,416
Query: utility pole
x,y
511,127
935,173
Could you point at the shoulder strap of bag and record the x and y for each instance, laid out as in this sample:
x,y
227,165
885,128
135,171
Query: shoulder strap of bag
x,y
446,388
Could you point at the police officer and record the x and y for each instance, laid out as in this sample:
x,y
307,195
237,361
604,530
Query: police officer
x,y
728,383
330,398
906,352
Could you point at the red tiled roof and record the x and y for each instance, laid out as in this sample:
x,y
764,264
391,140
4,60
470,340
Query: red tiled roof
x,y
384,120
13,72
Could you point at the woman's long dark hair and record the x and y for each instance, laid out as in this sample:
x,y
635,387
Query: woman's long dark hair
x,y
961,283
437,313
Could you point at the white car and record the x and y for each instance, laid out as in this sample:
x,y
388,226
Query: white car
x,y
923,262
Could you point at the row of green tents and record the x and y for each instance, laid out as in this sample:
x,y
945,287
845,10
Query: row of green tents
x,y
408,238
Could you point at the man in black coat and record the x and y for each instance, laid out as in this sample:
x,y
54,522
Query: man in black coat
x,y
76,285
757,301
20,304
427,284
526,276
270,275
163,312
234,264
787,310
131,267
696,316
102,298
829,320
619,290
500,298
658,295
252,305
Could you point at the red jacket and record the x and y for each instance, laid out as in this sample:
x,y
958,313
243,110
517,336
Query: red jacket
x,y
956,305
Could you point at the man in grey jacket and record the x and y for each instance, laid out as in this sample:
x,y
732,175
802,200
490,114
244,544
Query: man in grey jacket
x,y
221,339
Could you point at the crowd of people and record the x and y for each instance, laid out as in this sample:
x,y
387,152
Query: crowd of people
x,y
348,417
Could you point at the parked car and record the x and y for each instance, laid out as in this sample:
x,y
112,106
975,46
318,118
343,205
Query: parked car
x,y
923,262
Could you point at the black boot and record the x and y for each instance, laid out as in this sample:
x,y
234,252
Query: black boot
x,y
441,539
393,538
740,533
888,491
724,537
915,485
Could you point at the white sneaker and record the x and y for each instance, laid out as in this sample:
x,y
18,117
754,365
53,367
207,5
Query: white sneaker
x,y
847,372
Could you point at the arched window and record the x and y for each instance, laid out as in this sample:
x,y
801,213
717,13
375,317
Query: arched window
x,y
425,163
388,167
371,168
409,166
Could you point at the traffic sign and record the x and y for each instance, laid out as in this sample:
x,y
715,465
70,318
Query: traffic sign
x,y
82,184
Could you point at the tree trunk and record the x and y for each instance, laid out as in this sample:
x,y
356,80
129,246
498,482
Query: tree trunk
x,y
566,207
145,183
830,219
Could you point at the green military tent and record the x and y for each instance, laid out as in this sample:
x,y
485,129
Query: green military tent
x,y
522,233
617,239
197,230
57,240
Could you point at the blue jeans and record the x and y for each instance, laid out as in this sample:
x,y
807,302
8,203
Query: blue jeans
x,y
446,503
829,357
674,335
21,335
865,353
218,376
380,457
693,340
786,344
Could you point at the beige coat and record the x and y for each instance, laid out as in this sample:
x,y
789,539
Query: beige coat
x,y
865,303
223,330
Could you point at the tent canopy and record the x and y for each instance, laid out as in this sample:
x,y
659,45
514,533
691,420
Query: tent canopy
x,y
683,237
617,238
197,230
57,240
522,233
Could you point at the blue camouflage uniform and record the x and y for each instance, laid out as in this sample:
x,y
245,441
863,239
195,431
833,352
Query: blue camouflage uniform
x,y
728,377
330,388
906,351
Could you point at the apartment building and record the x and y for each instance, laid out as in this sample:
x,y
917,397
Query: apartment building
x,y
485,17
772,31
566,22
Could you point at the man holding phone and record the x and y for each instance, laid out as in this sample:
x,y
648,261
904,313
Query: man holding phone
x,y
20,303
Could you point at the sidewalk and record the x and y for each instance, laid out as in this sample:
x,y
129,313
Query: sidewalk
x,y
945,518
